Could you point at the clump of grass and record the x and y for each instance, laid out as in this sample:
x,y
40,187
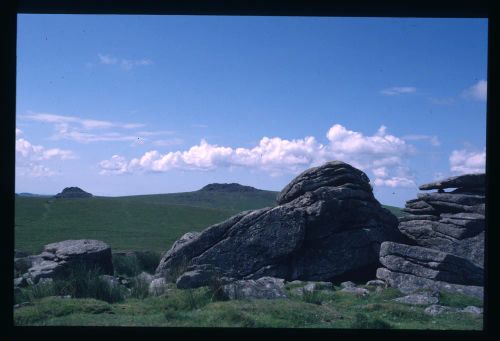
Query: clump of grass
x,y
459,300
313,297
126,265
362,321
140,288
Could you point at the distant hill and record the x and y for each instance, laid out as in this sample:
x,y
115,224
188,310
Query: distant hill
x,y
139,222
232,187
72,192
25,194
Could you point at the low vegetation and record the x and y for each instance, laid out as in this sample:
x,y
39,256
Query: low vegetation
x,y
206,307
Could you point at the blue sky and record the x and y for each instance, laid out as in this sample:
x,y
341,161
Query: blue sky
x,y
123,105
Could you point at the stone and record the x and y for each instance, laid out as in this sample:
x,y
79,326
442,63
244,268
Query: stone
x,y
472,310
58,259
347,284
262,288
376,283
20,282
72,192
462,181
455,198
112,281
437,309
430,264
327,224
158,286
411,217
144,277
356,291
231,187
419,299
200,275
408,284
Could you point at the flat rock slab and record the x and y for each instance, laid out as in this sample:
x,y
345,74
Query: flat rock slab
x,y
58,258
429,264
262,288
462,181
356,291
408,284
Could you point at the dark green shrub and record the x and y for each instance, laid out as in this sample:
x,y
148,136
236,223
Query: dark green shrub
x,y
148,260
126,264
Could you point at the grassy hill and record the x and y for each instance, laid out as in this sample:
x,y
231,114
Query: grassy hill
x,y
145,222
142,222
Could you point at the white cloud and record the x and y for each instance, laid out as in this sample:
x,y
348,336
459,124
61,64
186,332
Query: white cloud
x,y
126,64
83,130
477,91
30,156
464,161
382,154
168,142
433,140
398,90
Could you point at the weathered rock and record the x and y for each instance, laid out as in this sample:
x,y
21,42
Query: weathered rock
x,y
408,284
263,288
356,291
472,310
455,198
411,217
424,298
158,286
437,309
20,282
347,284
72,192
331,174
376,283
144,277
430,264
59,258
462,181
201,275
327,224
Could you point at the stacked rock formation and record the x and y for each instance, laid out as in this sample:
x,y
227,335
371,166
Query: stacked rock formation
x,y
327,224
446,232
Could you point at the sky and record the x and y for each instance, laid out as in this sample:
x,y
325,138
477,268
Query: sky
x,y
124,105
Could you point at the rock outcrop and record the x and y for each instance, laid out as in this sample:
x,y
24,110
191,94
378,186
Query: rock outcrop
x,y
72,192
446,239
327,224
59,258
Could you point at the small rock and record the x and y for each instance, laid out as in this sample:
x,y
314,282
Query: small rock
x,y
472,310
145,277
437,309
264,287
347,284
377,283
23,304
418,299
158,286
356,291
20,282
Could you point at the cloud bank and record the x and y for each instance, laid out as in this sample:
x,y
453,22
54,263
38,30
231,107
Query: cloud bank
x,y
398,90
125,64
382,154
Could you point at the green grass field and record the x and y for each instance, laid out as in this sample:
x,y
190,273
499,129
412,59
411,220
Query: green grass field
x,y
143,222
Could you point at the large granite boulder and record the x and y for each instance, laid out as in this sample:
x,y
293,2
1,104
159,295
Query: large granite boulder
x,y
58,259
72,192
445,232
327,224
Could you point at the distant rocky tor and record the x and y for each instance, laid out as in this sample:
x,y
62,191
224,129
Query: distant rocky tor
x,y
72,192
327,225
445,230
232,187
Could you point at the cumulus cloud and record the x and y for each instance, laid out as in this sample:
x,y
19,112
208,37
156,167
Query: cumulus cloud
x,y
398,90
126,64
29,157
464,161
477,91
382,154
